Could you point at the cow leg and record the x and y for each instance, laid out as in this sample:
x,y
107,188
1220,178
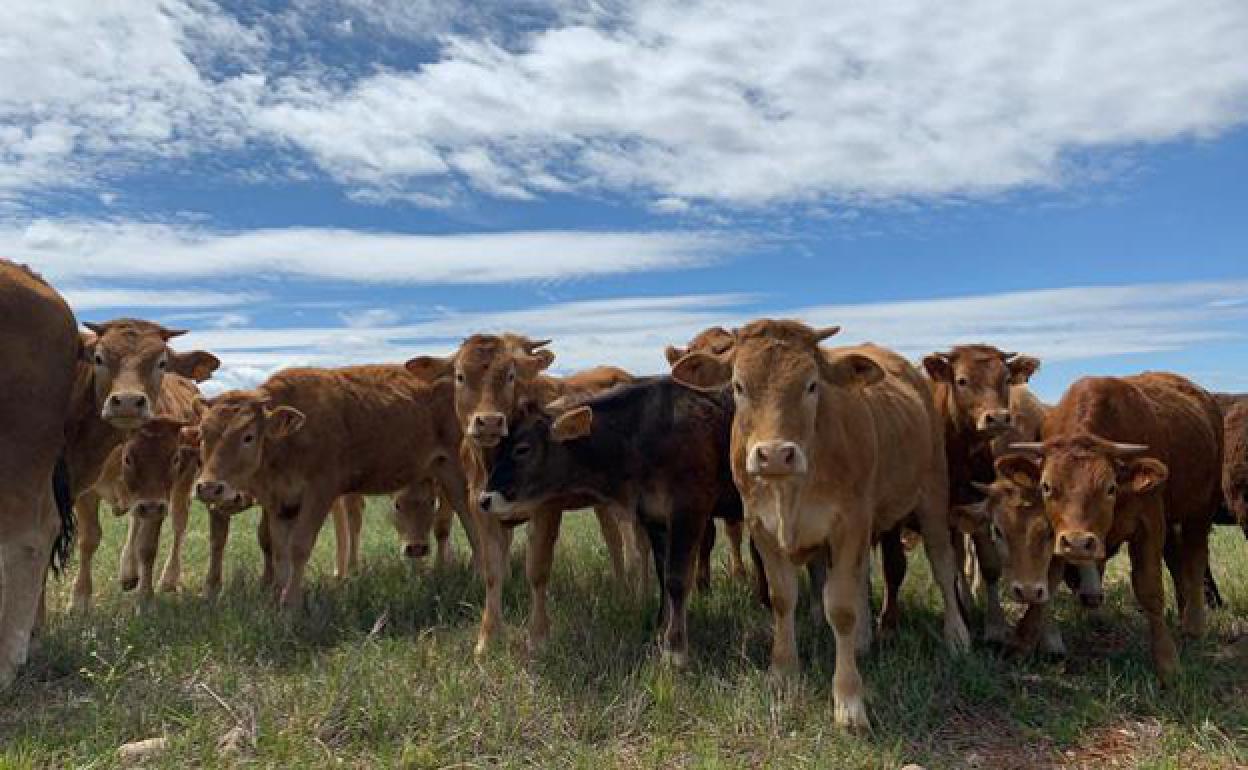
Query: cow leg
x,y
28,527
180,508
128,571
706,550
218,535
87,509
996,630
264,538
842,607
1146,557
454,488
355,525
736,533
893,561
656,533
636,551
782,591
609,524
342,539
1170,555
688,531
933,514
817,572
494,552
148,544
302,533
1213,597
442,532
761,590
543,534
1193,566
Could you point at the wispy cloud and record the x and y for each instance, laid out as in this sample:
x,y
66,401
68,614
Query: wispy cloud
x,y
67,250
123,298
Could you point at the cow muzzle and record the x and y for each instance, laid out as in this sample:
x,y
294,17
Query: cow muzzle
x,y
150,509
487,429
1029,593
776,458
127,410
994,422
1079,547
214,491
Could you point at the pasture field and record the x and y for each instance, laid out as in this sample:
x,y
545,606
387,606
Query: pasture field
x,y
380,673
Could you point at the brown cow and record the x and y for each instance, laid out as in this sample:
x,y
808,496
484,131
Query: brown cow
x,y
1235,464
973,387
1135,460
308,436
145,477
831,448
491,375
40,347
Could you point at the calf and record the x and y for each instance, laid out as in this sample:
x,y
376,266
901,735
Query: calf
x,y
308,436
491,376
1234,509
974,387
1135,460
39,346
831,448
655,448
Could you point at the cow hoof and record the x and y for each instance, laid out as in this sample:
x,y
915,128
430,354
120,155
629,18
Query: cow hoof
x,y
780,673
129,583
211,592
957,637
851,713
675,659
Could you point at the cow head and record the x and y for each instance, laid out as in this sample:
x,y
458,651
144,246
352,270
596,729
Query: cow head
x,y
233,436
534,463
129,358
1081,480
412,515
716,340
978,380
152,461
486,369
1013,511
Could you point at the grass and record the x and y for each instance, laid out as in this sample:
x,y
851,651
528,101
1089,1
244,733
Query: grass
x,y
380,673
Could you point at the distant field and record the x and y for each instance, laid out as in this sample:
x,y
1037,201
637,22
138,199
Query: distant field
x,y
329,690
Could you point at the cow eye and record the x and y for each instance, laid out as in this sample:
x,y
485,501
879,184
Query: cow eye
x,y
162,364
511,376
250,437
997,534
1112,490
99,359
738,388
1046,489
810,387
521,450
963,382
459,378
127,460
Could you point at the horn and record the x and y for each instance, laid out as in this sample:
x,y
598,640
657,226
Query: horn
x,y
1008,356
1128,450
532,345
168,334
825,332
1029,447
982,487
96,328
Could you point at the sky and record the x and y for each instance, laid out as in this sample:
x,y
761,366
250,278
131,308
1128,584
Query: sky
x,y
325,182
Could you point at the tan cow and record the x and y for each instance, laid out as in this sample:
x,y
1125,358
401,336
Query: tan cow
x,y
1235,465
492,375
1134,460
831,448
39,346
147,478
308,436
974,390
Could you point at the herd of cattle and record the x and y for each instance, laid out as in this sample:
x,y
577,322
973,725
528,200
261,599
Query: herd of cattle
x,y
821,452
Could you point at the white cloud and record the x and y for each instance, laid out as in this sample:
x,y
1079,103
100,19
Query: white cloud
x,y
1081,324
69,250
752,103
369,318
92,299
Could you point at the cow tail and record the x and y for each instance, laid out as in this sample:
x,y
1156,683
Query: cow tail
x,y
63,546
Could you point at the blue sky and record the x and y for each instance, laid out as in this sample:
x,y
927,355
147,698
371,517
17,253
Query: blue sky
x,y
336,181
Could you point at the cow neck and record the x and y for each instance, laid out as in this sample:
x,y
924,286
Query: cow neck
x,y
89,438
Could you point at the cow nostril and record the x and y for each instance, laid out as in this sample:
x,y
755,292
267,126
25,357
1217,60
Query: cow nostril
x,y
115,401
788,455
1007,419
140,402
484,502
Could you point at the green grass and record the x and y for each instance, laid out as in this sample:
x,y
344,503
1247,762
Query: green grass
x,y
332,688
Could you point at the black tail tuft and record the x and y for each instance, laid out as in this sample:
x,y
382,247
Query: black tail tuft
x,y
63,546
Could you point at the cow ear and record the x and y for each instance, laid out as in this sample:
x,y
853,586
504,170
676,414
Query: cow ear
x,y
1022,368
1143,474
1020,469
196,365
969,519
702,370
674,354
87,338
852,369
572,424
189,437
430,368
938,367
282,421
529,366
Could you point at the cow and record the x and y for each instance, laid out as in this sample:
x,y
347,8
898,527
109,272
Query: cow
x,y
1134,460
147,478
830,449
307,436
654,448
1234,508
491,375
974,391
40,347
